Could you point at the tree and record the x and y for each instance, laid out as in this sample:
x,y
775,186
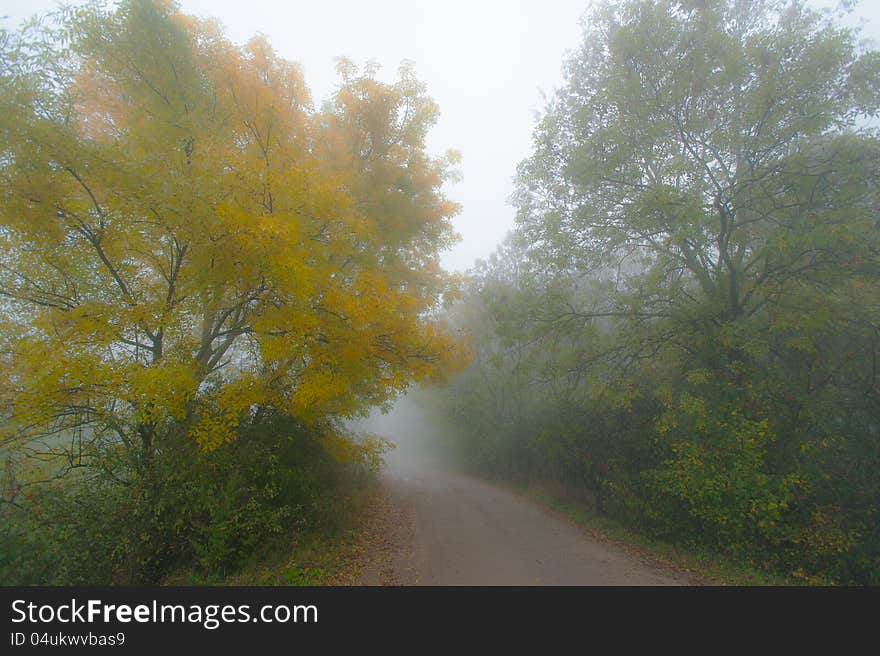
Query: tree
x,y
693,316
188,244
716,149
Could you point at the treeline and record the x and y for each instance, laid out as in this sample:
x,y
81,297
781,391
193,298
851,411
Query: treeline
x,y
683,329
203,276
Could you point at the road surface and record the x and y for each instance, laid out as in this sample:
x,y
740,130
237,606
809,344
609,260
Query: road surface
x,y
456,530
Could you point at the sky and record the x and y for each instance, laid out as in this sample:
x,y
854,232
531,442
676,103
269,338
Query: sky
x,y
488,64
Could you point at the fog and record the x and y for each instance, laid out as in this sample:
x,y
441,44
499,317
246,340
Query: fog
x,y
416,438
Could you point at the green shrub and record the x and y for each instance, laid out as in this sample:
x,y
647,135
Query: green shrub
x,y
206,511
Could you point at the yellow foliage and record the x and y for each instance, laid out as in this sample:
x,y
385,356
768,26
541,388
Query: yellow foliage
x,y
346,447
191,239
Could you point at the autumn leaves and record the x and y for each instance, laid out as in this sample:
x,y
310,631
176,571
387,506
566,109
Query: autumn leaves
x,y
187,239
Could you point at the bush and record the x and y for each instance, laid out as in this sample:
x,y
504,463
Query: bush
x,y
189,509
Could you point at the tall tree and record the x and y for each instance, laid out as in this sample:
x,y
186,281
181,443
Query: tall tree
x,y
688,323
715,149
186,242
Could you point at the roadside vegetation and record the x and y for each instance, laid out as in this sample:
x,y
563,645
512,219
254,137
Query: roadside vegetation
x,y
682,332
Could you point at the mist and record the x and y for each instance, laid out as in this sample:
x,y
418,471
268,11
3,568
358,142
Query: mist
x,y
416,439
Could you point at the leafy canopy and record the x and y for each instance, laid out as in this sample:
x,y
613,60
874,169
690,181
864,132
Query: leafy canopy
x,y
187,241
707,152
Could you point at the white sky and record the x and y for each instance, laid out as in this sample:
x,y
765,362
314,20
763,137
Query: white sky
x,y
485,62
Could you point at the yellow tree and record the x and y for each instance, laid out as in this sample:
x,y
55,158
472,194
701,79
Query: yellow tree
x,y
186,242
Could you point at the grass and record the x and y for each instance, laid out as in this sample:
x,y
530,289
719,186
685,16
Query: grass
x,y
700,565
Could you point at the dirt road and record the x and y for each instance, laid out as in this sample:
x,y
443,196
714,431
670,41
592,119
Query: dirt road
x,y
456,530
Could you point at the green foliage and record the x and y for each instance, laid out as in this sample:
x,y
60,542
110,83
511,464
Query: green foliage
x,y
206,512
684,322
717,467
